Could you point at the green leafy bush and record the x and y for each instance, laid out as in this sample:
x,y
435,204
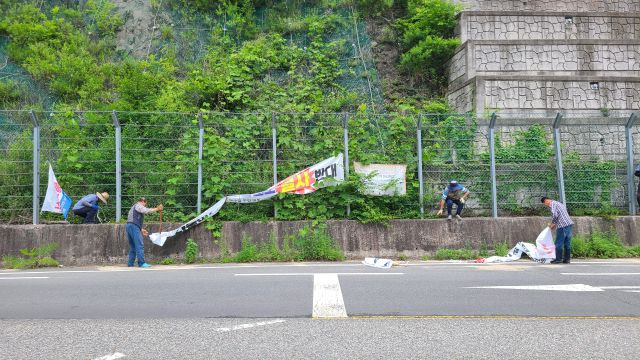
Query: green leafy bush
x,y
308,244
501,249
35,257
248,250
455,254
315,243
191,251
428,38
602,245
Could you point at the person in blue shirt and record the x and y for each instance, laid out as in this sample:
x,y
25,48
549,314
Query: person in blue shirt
x,y
454,193
87,207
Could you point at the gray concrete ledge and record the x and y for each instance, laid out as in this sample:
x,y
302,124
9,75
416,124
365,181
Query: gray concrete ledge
x,y
107,243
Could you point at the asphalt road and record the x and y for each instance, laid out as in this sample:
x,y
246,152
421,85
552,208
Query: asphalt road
x,y
334,311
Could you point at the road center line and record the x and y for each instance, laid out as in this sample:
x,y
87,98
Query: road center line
x,y
601,274
327,297
25,277
247,326
619,287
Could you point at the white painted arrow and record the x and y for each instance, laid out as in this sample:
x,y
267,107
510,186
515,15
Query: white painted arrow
x,y
567,287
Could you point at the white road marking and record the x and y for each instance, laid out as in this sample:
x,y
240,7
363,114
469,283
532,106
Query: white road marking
x,y
111,357
619,287
301,274
567,287
25,277
601,274
327,297
247,326
633,291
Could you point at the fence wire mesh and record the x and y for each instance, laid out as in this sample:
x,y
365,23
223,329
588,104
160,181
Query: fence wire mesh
x,y
595,167
525,165
160,159
16,167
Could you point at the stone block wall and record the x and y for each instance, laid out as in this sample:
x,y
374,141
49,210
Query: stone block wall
x,y
556,94
588,57
541,56
552,5
541,26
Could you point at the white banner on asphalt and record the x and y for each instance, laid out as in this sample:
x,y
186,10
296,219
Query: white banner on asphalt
x,y
328,172
544,251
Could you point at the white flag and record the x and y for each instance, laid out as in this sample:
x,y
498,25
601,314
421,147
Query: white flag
x,y
56,200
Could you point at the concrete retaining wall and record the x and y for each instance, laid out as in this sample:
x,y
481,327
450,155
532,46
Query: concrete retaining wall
x,y
107,243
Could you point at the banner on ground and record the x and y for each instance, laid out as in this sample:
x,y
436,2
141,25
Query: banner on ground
x,y
329,172
56,200
544,251
383,179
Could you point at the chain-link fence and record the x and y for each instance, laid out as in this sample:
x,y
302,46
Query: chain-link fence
x,y
189,161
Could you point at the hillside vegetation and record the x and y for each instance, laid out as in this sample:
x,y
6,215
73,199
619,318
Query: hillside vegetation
x,y
302,56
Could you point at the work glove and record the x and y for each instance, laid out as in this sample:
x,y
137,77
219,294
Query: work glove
x,y
440,212
95,206
462,200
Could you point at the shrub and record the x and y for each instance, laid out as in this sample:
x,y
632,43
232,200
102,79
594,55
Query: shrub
x,y
248,251
167,261
501,249
455,254
191,251
316,244
428,38
602,245
35,257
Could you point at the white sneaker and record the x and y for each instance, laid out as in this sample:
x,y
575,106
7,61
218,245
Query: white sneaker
x,y
458,217
449,217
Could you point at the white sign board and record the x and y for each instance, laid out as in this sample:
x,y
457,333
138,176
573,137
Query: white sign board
x,y
383,179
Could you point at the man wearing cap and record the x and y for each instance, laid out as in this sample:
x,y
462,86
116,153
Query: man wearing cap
x,y
87,208
135,232
454,193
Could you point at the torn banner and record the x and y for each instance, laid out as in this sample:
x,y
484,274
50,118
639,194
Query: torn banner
x,y
544,251
329,172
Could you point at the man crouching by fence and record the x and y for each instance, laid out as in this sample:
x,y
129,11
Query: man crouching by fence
x,y
135,232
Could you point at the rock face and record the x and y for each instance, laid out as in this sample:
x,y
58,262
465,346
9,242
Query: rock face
x,y
141,27
540,56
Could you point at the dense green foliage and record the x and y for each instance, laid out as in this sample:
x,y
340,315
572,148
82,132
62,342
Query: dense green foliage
x,y
32,258
428,38
601,245
190,251
309,244
260,64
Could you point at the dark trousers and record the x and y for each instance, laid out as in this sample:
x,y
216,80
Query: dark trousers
x,y
450,203
563,242
136,246
87,213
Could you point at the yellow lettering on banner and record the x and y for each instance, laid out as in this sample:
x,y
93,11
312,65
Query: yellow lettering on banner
x,y
306,178
299,183
288,185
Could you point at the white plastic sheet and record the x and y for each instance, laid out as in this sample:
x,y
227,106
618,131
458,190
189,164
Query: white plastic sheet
x,y
544,251
377,262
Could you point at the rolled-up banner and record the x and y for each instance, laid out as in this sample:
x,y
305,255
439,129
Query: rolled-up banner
x,y
329,172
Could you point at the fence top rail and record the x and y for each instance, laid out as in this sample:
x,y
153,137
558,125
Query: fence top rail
x,y
257,113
